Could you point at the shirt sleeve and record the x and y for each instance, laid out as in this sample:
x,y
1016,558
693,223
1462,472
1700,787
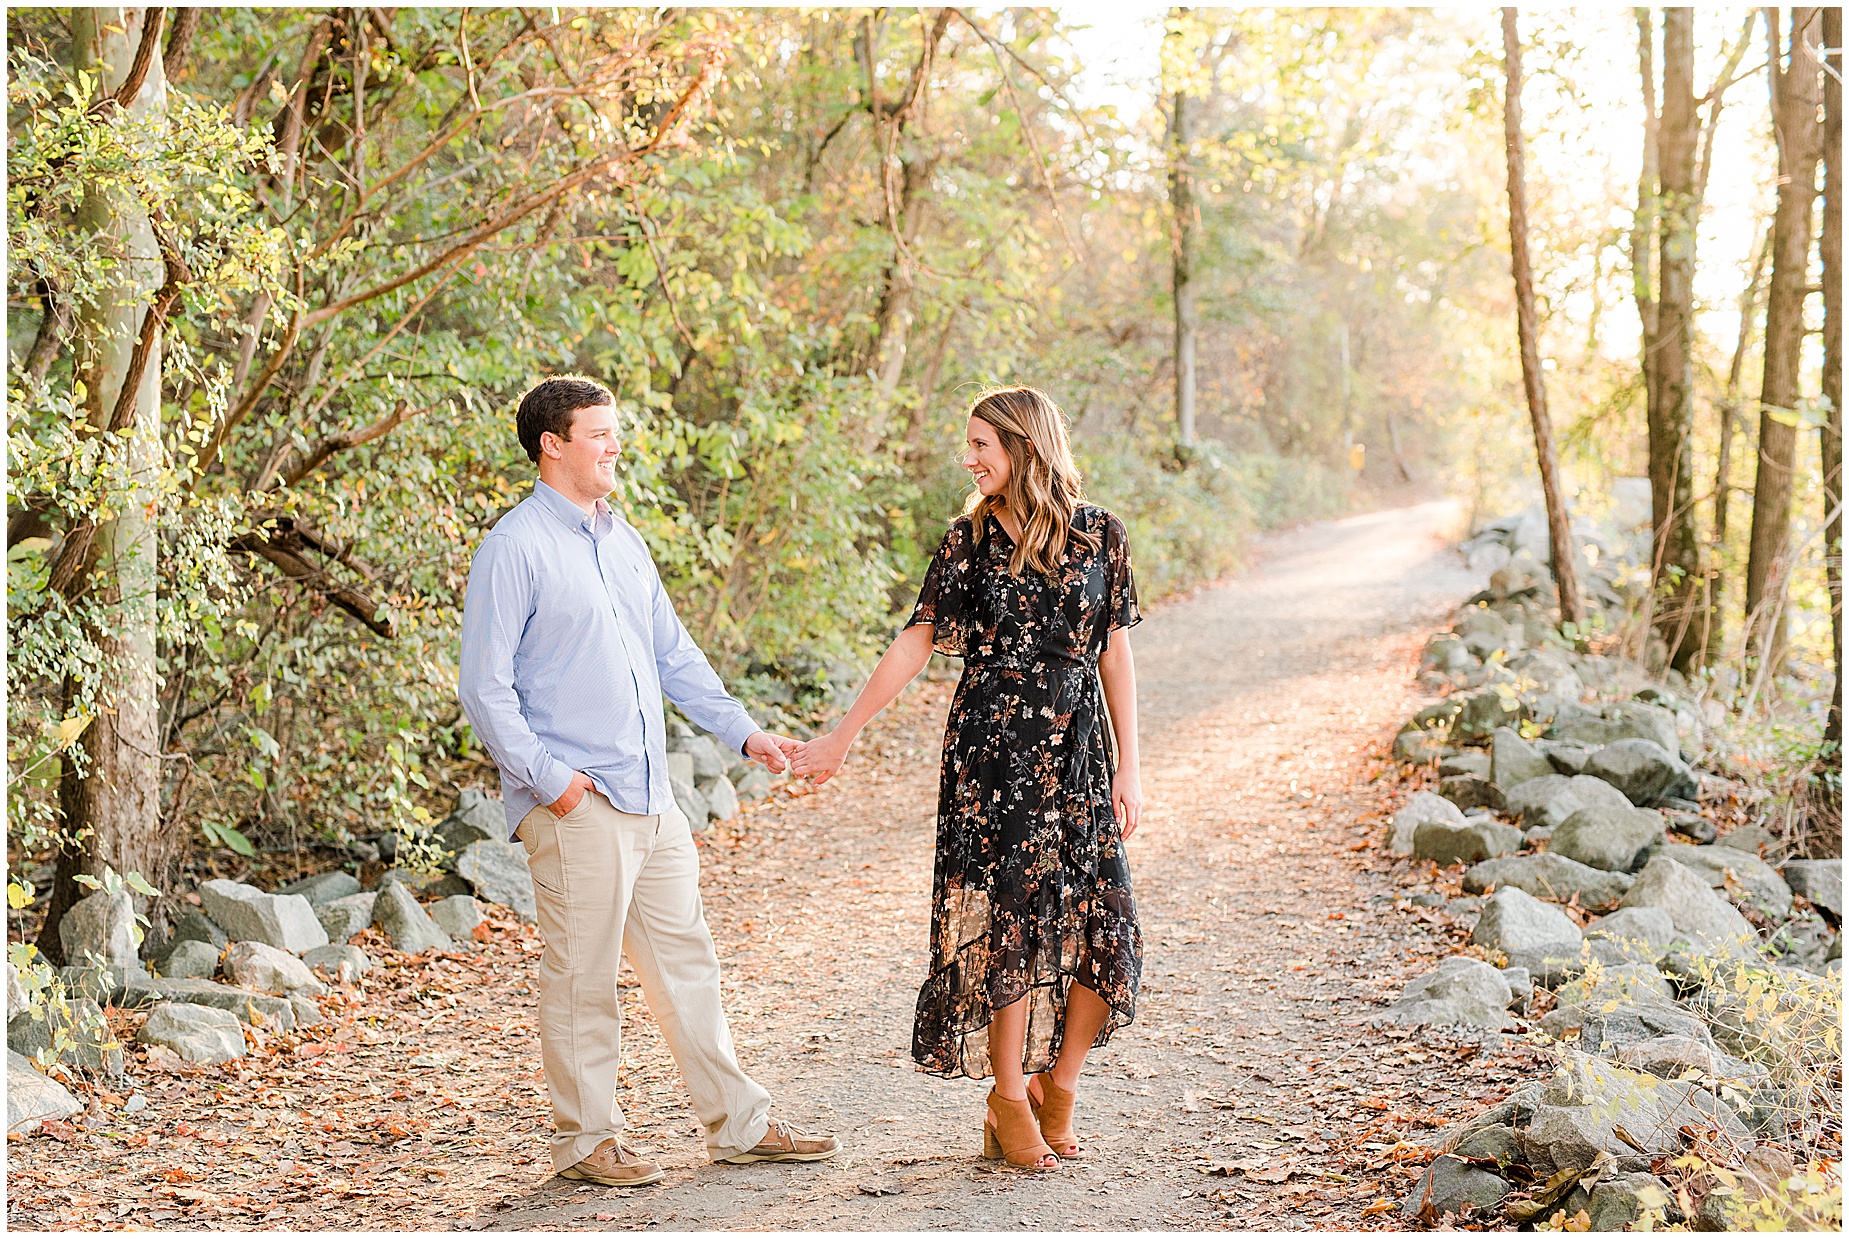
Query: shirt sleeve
x,y
495,610
944,600
1120,605
687,679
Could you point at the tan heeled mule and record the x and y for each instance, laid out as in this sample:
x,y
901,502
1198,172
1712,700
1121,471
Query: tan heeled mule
x,y
1054,1113
1009,1131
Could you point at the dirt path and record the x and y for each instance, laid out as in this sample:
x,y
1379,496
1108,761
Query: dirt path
x,y
1249,1093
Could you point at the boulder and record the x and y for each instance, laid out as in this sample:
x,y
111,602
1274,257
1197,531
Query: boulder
x,y
1643,770
1521,986
721,799
708,763
17,999
1482,712
342,918
1451,1185
1615,840
1413,745
680,768
1461,991
192,959
1740,874
1468,791
1543,803
456,916
1671,1057
33,1097
1618,1200
691,802
255,965
99,929
1632,720
320,888
424,885
1695,909
197,1034
250,915
1522,573
1495,1144
753,783
79,1024
1625,984
1477,839
1548,876
1566,756
1631,936
498,873
1513,761
1755,839
1820,881
248,1005
1469,761
1529,932
192,925
341,961
307,1011
1420,807
409,927
1588,1100
1548,685
477,816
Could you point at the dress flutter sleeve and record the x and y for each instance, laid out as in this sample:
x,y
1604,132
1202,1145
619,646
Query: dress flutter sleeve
x,y
945,600
1120,605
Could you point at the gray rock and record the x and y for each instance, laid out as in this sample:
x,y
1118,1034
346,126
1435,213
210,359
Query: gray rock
x,y
248,1005
1526,930
1631,936
251,915
192,925
1415,745
1694,825
33,1097
321,888
1548,876
1631,720
93,982
342,962
1625,984
1513,761
1546,802
79,1023
307,1011
1461,991
680,768
477,816
1478,839
1755,839
16,998
1692,905
255,965
707,762
1482,712
1468,791
100,929
1643,770
721,799
1548,684
1521,986
197,1034
1616,840
342,918
1764,1013
1752,880
1467,762
192,959
1451,1185
1447,655
424,885
1566,756
694,805
456,916
1489,1143
1420,807
409,927
1606,1028
498,873
1589,1099
1671,1057
1617,1201
753,783
1820,881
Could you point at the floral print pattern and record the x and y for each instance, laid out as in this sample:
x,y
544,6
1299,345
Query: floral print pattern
x,y
1032,886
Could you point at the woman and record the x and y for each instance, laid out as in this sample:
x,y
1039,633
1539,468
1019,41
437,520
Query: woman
x,y
1036,949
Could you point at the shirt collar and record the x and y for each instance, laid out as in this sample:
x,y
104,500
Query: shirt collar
x,y
601,521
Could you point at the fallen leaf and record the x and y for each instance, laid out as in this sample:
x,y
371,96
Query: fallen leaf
x,y
1271,1174
1382,1205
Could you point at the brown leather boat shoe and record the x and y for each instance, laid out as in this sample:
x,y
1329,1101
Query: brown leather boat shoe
x,y
784,1142
615,1164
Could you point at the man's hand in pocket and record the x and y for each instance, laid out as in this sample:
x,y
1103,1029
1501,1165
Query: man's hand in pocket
x,y
580,784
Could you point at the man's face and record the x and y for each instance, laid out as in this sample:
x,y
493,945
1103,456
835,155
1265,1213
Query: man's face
x,y
586,462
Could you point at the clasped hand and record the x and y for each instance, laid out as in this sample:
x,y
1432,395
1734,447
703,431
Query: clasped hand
x,y
773,752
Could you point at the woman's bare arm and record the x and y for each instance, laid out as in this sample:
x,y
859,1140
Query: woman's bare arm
x,y
1117,668
899,665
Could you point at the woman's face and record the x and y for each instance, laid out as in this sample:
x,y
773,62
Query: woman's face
x,y
986,458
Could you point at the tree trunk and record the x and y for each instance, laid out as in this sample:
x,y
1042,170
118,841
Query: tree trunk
x,y
110,789
1675,551
1185,226
1796,96
1729,427
1832,430
1643,222
1528,327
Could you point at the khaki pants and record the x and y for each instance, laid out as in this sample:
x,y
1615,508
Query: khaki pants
x,y
606,880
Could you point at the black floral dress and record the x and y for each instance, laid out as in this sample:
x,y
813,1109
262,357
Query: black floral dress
x,y
1032,888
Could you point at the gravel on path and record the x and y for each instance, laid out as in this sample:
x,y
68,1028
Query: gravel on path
x,y
1251,1092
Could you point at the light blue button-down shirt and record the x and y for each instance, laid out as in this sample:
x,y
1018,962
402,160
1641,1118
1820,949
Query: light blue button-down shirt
x,y
568,643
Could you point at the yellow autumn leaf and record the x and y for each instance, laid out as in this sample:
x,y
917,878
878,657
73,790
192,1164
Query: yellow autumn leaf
x,y
66,732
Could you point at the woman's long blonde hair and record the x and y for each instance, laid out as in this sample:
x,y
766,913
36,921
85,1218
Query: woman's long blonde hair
x,y
1044,487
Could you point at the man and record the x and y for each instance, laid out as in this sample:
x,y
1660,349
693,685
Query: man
x,y
568,643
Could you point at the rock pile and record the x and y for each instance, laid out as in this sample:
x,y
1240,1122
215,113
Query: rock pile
x,y
1566,787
